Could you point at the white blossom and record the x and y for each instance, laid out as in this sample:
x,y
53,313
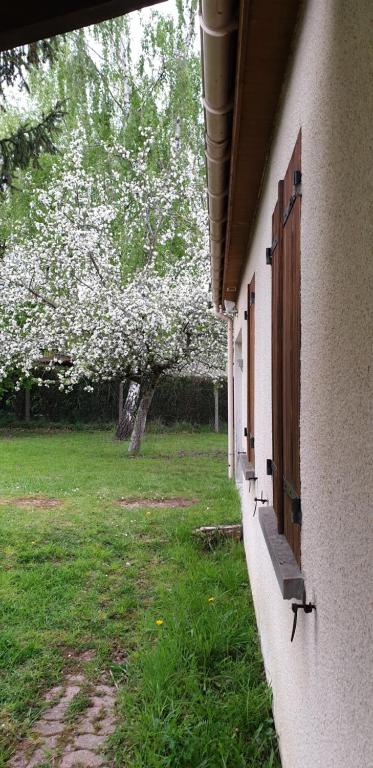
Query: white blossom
x,y
114,276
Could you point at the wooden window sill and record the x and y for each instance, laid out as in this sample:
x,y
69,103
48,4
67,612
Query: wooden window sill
x,y
288,573
248,470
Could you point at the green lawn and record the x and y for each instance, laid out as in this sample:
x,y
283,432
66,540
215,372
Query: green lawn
x,y
90,574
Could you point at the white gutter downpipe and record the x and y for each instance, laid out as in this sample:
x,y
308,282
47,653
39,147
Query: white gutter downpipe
x,y
219,24
231,453
218,21
231,456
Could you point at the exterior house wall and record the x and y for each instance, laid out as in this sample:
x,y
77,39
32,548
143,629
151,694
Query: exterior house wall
x,y
322,682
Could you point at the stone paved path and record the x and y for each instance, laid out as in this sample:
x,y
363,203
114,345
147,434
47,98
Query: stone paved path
x,y
70,742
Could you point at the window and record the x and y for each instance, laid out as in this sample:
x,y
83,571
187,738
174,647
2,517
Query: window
x,y
250,371
285,253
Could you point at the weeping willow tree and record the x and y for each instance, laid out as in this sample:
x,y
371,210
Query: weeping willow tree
x,y
115,86
115,80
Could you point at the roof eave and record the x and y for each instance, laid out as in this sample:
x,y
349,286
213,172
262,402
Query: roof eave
x,y
24,22
256,67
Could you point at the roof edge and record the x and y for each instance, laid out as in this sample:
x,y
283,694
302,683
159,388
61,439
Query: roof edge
x,y
243,65
26,22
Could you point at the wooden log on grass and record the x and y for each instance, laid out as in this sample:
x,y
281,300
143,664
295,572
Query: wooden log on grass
x,y
211,535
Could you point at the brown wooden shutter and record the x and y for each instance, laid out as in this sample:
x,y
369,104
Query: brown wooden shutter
x,y
277,450
286,329
291,354
250,371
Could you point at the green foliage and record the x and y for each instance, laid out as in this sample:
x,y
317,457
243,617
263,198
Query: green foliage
x,y
185,400
16,64
111,94
191,691
78,704
27,143
24,142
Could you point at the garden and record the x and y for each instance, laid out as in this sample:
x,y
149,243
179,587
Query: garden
x,y
126,639
105,591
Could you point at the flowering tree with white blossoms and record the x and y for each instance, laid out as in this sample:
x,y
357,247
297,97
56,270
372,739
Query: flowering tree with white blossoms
x,y
114,276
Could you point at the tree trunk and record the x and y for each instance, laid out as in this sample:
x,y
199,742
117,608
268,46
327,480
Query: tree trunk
x,y
120,400
27,404
128,412
140,420
216,398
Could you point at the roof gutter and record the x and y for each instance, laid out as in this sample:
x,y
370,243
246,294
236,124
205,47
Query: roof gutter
x,y
246,46
219,23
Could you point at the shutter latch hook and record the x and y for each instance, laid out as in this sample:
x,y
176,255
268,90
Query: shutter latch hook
x,y
262,501
295,607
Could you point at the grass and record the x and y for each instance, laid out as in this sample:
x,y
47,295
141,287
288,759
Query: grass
x,y
91,575
78,704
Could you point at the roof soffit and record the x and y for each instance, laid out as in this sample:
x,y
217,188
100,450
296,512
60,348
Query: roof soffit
x,y
266,29
24,22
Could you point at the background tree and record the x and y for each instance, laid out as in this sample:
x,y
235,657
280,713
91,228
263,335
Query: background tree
x,y
116,97
24,143
69,289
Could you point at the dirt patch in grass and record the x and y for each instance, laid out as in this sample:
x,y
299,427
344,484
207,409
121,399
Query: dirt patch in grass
x,y
173,503
185,455
32,501
81,656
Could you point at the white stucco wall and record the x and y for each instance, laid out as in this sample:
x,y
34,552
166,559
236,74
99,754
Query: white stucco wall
x,y
323,681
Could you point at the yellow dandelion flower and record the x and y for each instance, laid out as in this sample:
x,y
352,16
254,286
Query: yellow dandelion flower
x,y
159,622
211,599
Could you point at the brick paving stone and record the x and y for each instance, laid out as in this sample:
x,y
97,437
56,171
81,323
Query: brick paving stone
x,y
86,735
106,726
83,758
54,693
86,726
108,701
69,694
45,728
55,713
18,761
89,741
50,742
95,713
38,758
102,701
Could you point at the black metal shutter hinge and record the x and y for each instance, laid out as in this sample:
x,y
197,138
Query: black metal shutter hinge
x,y
269,256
